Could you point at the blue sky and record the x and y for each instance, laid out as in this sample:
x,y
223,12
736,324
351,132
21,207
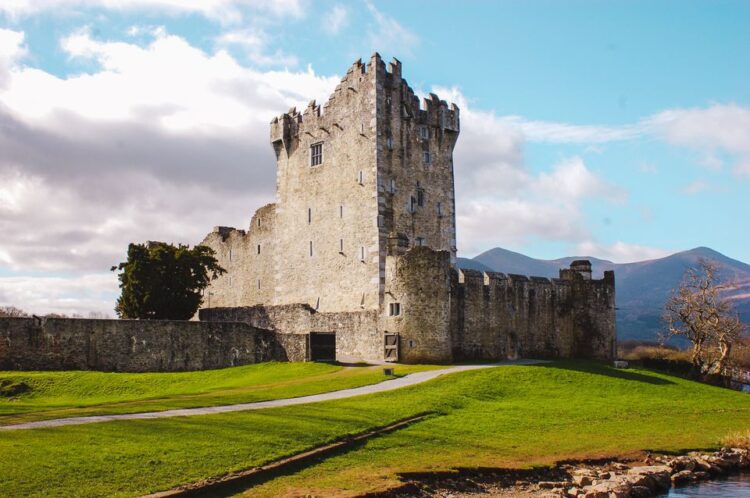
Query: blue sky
x,y
613,129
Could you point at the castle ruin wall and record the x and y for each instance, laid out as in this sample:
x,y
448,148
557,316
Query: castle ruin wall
x,y
134,345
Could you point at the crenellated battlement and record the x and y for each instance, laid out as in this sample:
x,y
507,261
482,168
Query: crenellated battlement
x,y
319,122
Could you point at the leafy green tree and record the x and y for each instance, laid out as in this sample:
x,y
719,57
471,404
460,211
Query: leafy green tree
x,y
160,281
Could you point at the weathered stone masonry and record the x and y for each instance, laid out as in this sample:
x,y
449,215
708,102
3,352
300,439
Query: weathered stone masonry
x,y
361,242
138,345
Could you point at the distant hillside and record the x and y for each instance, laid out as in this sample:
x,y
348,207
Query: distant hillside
x,y
642,287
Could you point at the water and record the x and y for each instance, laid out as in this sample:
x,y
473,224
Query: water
x,y
734,486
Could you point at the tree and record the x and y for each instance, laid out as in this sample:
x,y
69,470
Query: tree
x,y
12,311
161,281
699,311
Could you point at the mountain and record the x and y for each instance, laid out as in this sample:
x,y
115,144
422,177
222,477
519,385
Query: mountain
x,y
642,287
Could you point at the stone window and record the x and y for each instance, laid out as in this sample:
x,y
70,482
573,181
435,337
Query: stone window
x,y
258,221
393,186
317,304
311,249
424,133
413,204
420,197
394,309
258,284
420,241
362,254
258,248
341,211
341,246
389,142
309,215
361,178
230,255
427,157
316,154
440,208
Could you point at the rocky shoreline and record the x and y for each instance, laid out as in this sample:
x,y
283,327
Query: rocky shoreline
x,y
652,476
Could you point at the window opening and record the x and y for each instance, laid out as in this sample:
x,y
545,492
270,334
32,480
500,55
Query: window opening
x,y
316,154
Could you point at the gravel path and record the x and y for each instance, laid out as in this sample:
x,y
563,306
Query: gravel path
x,y
388,385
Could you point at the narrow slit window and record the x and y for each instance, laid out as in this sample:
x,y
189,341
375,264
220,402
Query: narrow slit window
x,y
413,204
258,221
440,208
311,248
341,211
389,143
420,197
258,248
309,215
316,154
341,246
427,157
393,186
362,253
230,255
420,241
394,309
361,178
258,284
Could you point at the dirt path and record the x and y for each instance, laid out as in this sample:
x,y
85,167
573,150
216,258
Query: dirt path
x,y
388,385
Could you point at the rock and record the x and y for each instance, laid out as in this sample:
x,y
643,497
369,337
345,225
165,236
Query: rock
x,y
640,492
701,475
604,475
574,492
683,477
643,481
660,474
551,484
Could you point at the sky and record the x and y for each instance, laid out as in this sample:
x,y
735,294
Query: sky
x,y
619,130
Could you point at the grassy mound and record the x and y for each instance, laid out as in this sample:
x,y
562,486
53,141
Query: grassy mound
x,y
516,416
27,396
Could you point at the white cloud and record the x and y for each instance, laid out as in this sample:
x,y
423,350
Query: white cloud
x,y
386,35
720,127
162,142
64,295
254,43
500,201
695,187
11,51
335,19
620,252
225,11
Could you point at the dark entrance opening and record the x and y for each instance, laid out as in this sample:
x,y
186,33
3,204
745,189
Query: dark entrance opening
x,y
322,346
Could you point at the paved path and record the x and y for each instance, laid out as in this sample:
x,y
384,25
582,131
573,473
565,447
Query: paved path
x,y
388,385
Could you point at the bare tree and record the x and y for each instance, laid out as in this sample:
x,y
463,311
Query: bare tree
x,y
12,311
698,311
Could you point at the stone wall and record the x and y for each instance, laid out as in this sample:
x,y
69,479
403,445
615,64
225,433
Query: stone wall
x,y
248,258
135,345
496,316
358,335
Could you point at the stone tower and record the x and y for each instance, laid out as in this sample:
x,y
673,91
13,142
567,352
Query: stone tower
x,y
367,175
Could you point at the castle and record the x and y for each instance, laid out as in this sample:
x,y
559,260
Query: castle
x,y
358,254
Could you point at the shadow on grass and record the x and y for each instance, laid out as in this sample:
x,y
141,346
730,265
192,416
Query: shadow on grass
x,y
602,369
239,483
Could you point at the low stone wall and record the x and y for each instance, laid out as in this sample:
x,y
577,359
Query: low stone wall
x,y
138,345
357,332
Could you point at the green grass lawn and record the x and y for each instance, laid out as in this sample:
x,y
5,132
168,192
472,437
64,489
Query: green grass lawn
x,y
508,416
77,393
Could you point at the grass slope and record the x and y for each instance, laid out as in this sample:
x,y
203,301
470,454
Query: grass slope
x,y
77,393
507,416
